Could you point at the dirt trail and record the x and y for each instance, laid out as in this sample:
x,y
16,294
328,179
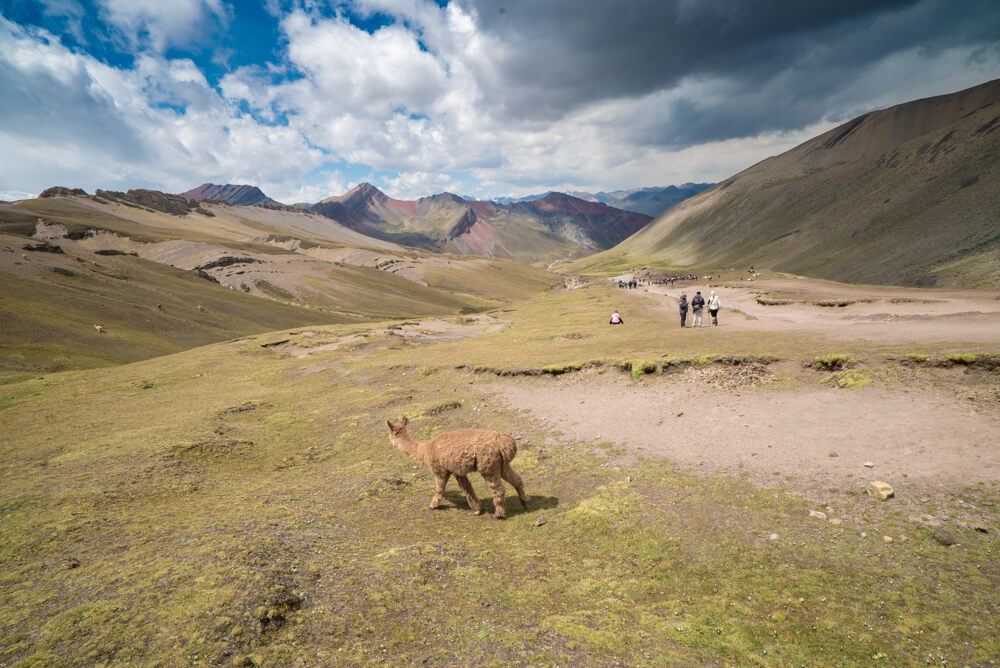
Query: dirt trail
x,y
888,315
814,439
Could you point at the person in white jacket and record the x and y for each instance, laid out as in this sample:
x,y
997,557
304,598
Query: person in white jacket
x,y
714,304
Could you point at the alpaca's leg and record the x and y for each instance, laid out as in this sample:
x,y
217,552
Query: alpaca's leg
x,y
511,476
495,482
470,494
440,480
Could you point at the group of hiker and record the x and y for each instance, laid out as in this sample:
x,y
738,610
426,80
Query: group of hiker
x,y
697,306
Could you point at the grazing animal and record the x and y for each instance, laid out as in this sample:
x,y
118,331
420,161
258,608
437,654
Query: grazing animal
x,y
459,453
99,328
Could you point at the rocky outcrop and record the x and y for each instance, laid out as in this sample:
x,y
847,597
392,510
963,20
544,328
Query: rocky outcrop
x,y
43,247
154,200
462,225
61,191
226,261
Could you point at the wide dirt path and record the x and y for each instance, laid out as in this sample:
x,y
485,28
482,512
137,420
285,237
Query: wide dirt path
x,y
888,315
924,430
814,439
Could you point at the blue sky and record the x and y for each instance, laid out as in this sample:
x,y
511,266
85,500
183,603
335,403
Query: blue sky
x,y
306,98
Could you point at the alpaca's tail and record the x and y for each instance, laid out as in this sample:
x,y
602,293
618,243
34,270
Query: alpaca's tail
x,y
508,448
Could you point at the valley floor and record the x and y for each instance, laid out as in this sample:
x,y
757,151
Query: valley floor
x,y
697,497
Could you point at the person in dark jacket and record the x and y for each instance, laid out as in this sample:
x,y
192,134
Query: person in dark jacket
x,y
697,303
682,304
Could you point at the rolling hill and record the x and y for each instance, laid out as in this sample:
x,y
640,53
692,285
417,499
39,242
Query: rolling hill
x,y
908,195
158,275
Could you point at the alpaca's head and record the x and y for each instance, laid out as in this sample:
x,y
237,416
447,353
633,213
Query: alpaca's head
x,y
397,429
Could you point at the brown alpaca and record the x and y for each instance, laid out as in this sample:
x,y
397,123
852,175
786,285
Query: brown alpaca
x,y
459,453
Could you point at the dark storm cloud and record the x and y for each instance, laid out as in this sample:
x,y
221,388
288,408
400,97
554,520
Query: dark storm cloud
x,y
781,64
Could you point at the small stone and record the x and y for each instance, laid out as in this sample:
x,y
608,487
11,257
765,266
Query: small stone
x,y
869,465
886,539
980,528
833,453
880,490
836,521
773,536
539,522
818,514
944,537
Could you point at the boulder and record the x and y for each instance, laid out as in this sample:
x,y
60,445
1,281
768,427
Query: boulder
x,y
42,247
880,490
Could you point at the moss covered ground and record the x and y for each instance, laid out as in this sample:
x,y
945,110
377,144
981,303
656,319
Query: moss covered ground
x,y
237,504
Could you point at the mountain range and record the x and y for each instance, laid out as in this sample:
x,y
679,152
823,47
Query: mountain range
x,y
649,201
555,226
907,195
548,228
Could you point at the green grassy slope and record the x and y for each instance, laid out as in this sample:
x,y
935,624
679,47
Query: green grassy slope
x,y
50,302
237,505
146,309
905,196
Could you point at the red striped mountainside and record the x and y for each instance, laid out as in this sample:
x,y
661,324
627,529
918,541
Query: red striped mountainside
x,y
556,226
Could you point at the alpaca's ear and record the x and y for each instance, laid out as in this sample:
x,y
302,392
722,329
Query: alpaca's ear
x,y
390,425
405,421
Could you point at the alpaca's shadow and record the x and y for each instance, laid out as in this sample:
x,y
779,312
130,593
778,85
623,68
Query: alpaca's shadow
x,y
536,502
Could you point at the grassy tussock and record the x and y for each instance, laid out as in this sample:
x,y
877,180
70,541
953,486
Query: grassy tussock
x,y
848,379
834,361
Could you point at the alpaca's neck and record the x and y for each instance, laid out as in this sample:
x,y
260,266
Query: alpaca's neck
x,y
411,446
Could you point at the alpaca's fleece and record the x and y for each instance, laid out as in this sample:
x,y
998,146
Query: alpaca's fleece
x,y
468,450
459,453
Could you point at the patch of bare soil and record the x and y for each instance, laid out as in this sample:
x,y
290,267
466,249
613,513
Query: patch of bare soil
x,y
812,438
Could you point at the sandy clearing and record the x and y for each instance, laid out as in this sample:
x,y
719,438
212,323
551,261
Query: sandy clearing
x,y
923,435
813,437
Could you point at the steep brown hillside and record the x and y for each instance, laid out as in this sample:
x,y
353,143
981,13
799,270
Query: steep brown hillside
x,y
908,195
